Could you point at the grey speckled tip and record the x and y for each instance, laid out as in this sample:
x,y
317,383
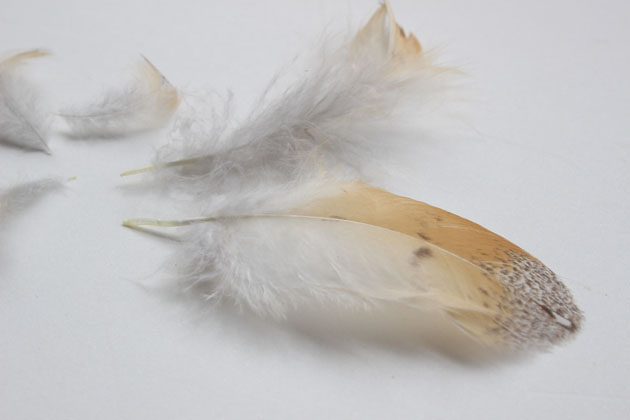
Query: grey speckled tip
x,y
542,309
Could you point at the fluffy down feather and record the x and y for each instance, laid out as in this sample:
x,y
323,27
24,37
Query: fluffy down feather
x,y
23,120
337,117
144,104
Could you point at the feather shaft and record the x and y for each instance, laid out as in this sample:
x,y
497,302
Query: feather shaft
x,y
162,165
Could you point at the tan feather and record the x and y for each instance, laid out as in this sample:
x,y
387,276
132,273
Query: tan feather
x,y
491,287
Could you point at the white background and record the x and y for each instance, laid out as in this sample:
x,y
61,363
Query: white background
x,y
549,169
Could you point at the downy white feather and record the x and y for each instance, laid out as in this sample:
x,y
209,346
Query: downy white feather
x,y
24,122
145,104
14,199
339,116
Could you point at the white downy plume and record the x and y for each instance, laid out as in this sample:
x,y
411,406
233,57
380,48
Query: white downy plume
x,y
23,120
340,115
14,199
146,103
305,244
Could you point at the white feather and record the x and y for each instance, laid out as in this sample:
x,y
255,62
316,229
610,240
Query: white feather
x,y
24,122
339,116
15,199
145,104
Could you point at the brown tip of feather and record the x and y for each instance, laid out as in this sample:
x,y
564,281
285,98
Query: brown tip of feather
x,y
21,57
158,82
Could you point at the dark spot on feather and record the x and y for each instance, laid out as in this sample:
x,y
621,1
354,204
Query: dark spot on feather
x,y
423,236
483,291
423,252
338,217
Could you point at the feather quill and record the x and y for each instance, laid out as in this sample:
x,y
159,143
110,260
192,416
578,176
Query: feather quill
x,y
23,119
356,245
145,104
338,116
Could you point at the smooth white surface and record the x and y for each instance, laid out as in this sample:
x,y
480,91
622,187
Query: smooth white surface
x,y
550,171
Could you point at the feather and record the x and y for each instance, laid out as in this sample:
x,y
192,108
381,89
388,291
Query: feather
x,y
355,245
288,226
23,120
338,116
145,104
13,200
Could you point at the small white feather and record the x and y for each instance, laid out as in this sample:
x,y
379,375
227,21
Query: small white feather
x,y
15,199
24,122
146,103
